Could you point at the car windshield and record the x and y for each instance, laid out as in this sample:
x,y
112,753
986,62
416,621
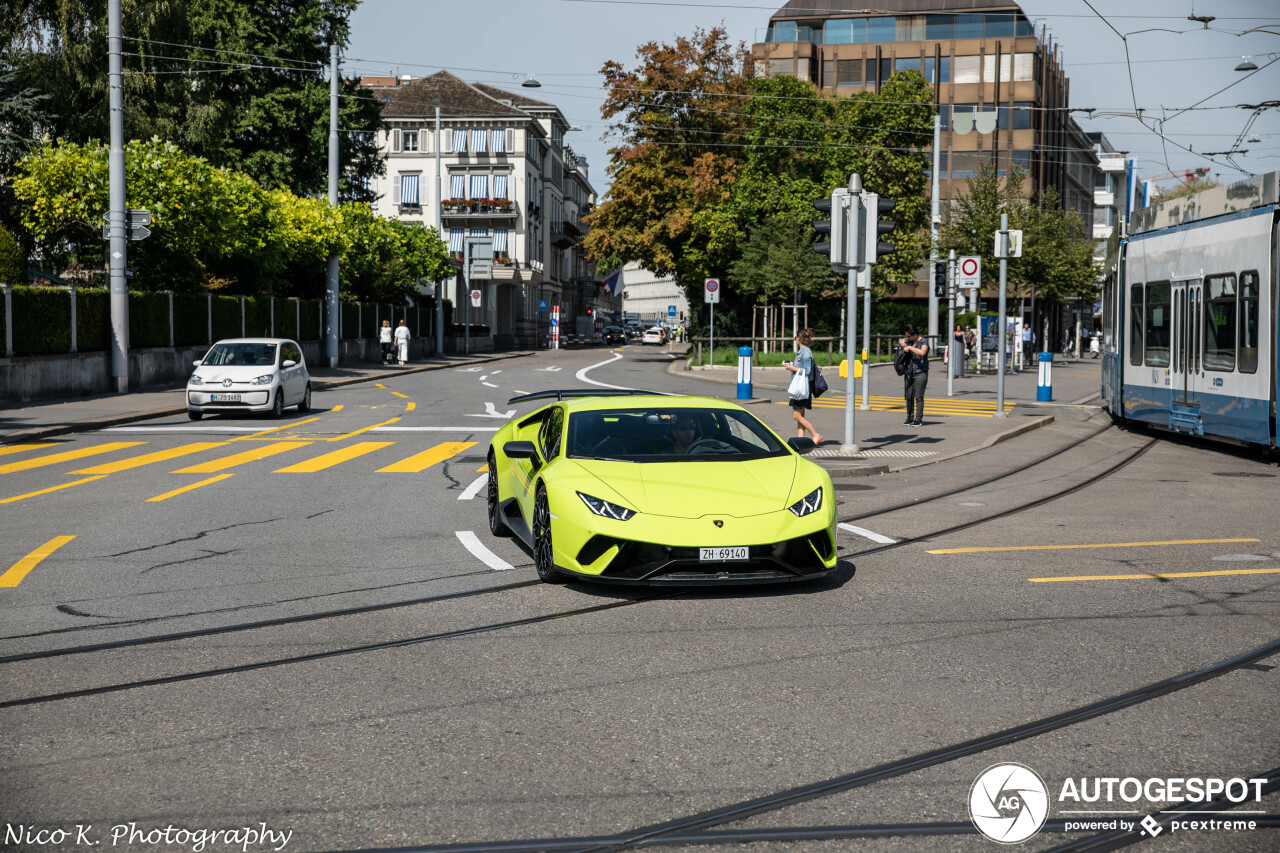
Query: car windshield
x,y
228,355
670,435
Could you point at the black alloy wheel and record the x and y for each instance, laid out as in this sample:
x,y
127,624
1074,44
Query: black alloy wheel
x,y
497,526
194,415
305,405
277,408
543,553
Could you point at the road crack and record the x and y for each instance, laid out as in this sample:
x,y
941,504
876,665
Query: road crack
x,y
195,538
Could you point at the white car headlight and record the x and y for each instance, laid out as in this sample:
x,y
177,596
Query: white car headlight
x,y
263,380
606,509
195,379
807,504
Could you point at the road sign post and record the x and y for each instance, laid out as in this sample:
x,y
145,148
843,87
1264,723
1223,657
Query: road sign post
x,y
951,322
711,289
555,327
1002,332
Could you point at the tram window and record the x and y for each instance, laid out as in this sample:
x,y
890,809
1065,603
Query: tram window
x,y
1135,325
1220,322
1249,322
1157,326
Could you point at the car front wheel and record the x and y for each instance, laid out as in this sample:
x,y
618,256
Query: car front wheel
x,y
277,408
305,405
194,415
497,526
543,553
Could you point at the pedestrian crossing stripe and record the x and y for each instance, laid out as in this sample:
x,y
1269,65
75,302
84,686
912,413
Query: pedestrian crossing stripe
x,y
67,456
150,458
328,460
20,448
421,461
213,466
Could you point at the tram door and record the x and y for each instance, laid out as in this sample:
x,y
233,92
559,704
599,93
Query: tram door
x,y
1186,359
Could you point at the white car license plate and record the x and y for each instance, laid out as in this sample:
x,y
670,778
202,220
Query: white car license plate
x,y
224,398
722,555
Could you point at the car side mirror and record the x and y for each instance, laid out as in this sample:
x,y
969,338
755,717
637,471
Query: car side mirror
x,y
197,362
520,449
288,362
801,445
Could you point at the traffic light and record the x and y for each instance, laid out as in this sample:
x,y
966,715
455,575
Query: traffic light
x,y
877,207
940,279
834,228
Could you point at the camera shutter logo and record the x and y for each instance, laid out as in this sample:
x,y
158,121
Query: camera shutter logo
x,y
1008,803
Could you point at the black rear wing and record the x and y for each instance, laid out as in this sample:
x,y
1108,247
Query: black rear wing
x,y
566,394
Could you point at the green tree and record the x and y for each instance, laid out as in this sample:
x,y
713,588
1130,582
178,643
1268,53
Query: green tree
x,y
243,85
1191,186
13,265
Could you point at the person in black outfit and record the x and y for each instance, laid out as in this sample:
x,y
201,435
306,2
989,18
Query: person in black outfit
x,y
917,375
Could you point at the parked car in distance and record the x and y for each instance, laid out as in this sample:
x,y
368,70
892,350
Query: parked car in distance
x,y
654,336
634,332
613,335
249,375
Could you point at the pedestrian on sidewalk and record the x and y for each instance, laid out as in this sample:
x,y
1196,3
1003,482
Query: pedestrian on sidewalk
x,y
402,341
803,362
384,337
917,375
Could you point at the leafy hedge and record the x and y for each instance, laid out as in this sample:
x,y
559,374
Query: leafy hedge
x,y
190,319
257,317
148,319
93,320
310,309
226,317
42,320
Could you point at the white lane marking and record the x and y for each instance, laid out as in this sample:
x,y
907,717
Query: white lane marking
x,y
549,369
581,375
435,429
518,391
481,553
474,488
494,372
483,378
491,412
866,534
470,369
490,384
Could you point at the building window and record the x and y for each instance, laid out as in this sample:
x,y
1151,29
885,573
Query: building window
x,y
886,70
455,240
409,190
965,164
909,28
846,31
457,186
409,140
479,186
906,64
782,67
968,69
849,71
500,186
881,28
500,241
998,25
969,26
1023,67
940,27
828,73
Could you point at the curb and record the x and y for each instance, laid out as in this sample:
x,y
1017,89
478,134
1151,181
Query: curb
x,y
36,433
990,441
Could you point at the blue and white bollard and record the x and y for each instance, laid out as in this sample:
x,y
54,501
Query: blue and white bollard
x,y
1044,384
744,373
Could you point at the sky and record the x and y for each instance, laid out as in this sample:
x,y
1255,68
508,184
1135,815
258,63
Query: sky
x,y
1174,63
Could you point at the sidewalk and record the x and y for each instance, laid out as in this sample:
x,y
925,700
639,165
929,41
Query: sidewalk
x,y
45,418
953,426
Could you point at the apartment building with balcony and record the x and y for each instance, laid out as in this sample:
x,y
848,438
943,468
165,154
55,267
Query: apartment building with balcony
x,y
506,173
1110,192
998,83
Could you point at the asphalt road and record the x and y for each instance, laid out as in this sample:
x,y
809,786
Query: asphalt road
x,y
582,711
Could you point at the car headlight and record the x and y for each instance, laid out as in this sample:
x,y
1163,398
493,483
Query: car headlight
x,y
263,380
807,504
606,509
195,379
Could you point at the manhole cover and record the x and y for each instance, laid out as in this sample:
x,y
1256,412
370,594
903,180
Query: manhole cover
x,y
1241,474
850,487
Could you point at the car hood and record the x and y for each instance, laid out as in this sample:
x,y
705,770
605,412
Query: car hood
x,y
236,373
693,489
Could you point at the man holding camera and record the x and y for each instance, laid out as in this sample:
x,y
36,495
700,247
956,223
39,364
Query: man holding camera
x,y
916,376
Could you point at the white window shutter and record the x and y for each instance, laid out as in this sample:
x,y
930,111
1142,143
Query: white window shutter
x,y
395,187
511,141
395,140
446,141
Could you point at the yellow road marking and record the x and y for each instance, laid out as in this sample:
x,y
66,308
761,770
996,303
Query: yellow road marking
x,y
149,458
275,429
19,570
66,456
19,448
424,460
482,468
1159,576
189,488
398,394
213,466
359,431
328,460
410,407
337,408
51,489
379,385
1104,545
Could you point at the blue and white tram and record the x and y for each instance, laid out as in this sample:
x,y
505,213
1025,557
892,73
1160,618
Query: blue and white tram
x,y
1191,315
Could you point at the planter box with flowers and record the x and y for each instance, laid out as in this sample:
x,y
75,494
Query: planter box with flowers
x,y
478,207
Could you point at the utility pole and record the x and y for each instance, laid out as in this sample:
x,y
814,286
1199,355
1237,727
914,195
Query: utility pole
x,y
864,276
1001,332
117,249
952,365
440,234
331,326
935,219
851,350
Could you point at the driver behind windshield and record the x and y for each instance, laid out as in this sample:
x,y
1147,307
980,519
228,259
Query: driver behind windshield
x,y
683,433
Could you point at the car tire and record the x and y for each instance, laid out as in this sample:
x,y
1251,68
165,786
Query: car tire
x,y
194,415
497,525
277,408
543,552
305,404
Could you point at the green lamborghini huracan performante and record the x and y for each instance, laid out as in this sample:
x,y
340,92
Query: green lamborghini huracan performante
x,y
637,487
